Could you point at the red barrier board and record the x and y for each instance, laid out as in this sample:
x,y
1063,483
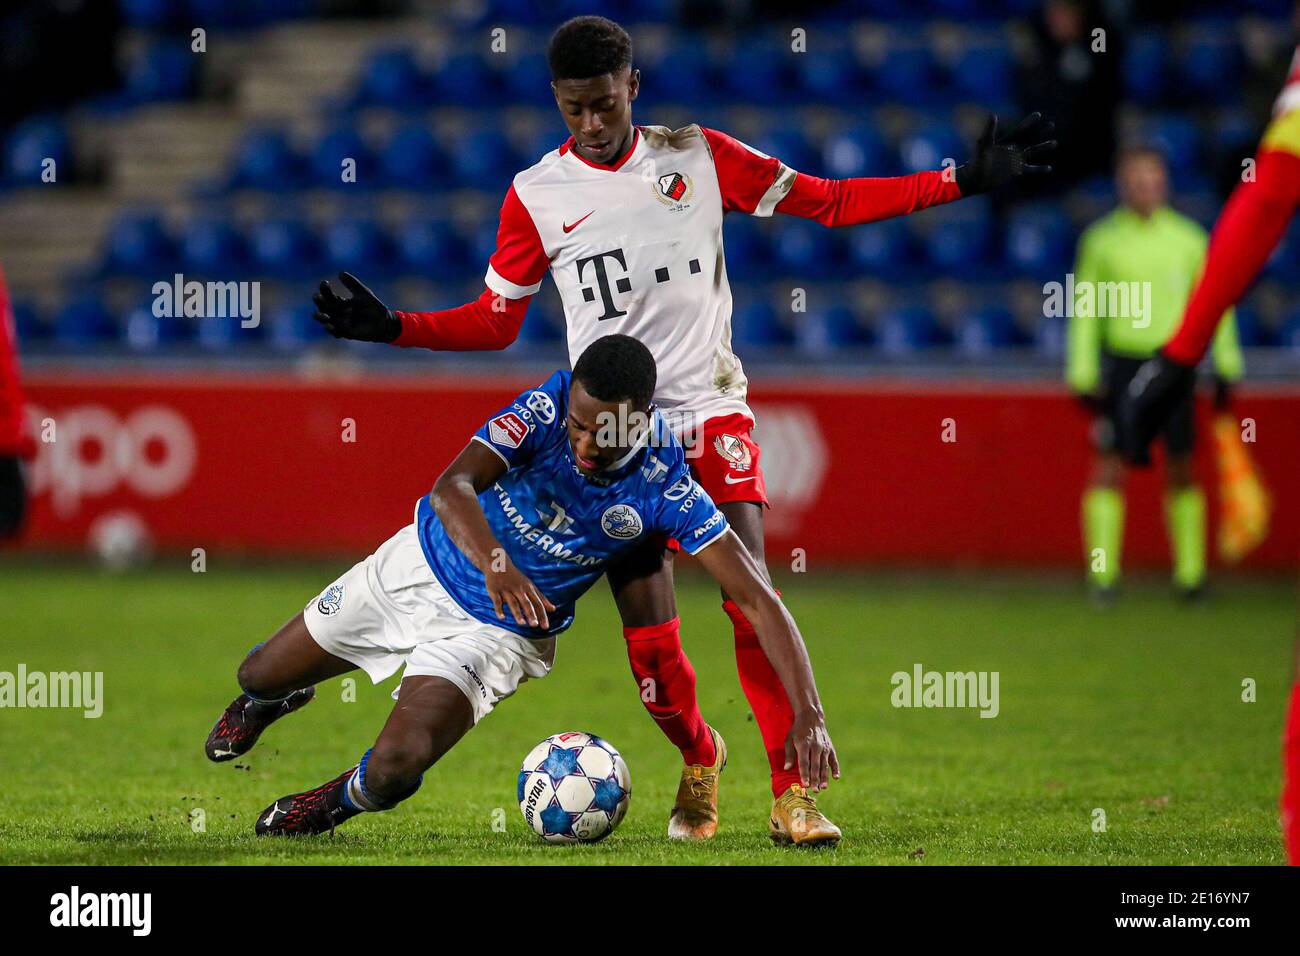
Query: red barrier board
x,y
972,474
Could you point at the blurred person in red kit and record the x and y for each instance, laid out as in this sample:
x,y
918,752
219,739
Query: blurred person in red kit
x,y
16,443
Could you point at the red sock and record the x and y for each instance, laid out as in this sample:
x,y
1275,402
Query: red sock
x,y
1291,779
766,697
667,681
1250,225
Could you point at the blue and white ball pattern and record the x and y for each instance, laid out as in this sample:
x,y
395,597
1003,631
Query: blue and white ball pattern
x,y
574,788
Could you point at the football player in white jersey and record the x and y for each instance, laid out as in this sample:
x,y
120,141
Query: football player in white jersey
x,y
628,221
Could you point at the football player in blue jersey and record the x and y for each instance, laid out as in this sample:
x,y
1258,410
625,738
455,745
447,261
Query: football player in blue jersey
x,y
470,596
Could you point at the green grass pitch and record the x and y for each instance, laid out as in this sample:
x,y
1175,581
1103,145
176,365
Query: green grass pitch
x,y
1136,710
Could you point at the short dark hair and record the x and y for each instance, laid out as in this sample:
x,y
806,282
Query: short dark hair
x,y
588,46
617,368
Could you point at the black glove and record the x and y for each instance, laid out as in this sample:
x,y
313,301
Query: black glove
x,y
1222,394
362,317
1151,397
998,161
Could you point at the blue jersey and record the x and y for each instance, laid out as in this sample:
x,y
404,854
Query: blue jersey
x,y
561,528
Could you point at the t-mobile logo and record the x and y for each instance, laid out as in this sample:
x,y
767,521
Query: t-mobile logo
x,y
622,283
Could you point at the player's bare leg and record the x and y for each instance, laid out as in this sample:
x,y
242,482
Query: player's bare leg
x,y
277,678
795,817
430,716
642,586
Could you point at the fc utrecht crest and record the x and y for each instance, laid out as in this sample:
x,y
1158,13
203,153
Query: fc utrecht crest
x,y
734,450
508,429
674,190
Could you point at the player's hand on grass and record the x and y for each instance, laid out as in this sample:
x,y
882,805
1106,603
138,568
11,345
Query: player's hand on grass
x,y
511,589
1151,397
362,317
1000,159
808,747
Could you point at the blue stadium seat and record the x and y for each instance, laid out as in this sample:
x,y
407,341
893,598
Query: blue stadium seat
x,y
465,79
1146,67
859,151
1284,263
683,75
832,78
1039,242
1210,70
542,323
148,14
755,325
143,331
414,160
881,249
30,326
986,75
84,322
909,74
484,160
284,248
329,152
1179,139
30,144
212,247
1288,336
791,146
985,330
292,328
960,249
806,250
904,330
219,333
431,249
760,71
138,245
747,248
1250,330
265,160
480,243
1049,333
928,146
359,246
163,71
393,78
823,331
528,81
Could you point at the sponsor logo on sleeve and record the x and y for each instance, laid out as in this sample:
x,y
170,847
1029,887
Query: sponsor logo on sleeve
x,y
542,407
508,429
708,526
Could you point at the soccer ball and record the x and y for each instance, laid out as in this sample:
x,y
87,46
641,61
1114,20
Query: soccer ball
x,y
574,788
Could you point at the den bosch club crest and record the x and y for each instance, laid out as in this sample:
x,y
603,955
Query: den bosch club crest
x,y
674,190
621,521
734,450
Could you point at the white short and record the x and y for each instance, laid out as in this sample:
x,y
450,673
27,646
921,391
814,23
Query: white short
x,y
390,610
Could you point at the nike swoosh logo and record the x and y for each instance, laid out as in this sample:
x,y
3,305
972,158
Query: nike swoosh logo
x,y
569,228
735,481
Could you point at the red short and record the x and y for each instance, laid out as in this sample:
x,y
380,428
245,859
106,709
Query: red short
x,y
724,459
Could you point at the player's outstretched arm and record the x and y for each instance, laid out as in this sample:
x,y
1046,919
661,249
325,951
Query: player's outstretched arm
x,y
489,323
455,500
809,743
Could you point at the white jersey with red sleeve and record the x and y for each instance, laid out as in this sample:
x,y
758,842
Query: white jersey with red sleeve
x,y
636,247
